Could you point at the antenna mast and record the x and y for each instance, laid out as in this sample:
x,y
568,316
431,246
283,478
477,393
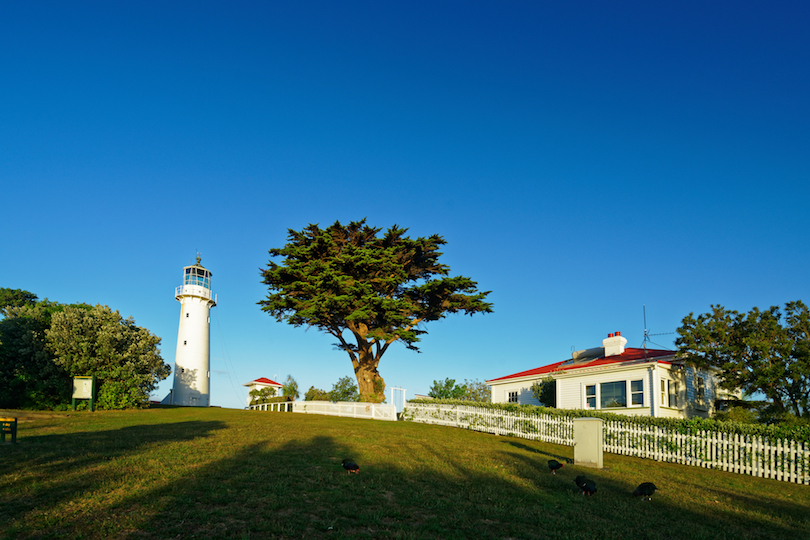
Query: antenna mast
x,y
647,332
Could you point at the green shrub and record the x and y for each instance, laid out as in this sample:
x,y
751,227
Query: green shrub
x,y
798,430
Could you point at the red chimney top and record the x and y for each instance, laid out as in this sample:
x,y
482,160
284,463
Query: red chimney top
x,y
618,334
610,335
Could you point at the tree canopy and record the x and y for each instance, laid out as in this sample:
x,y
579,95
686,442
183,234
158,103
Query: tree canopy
x,y
29,378
545,391
43,344
344,390
100,342
11,298
290,387
316,394
365,289
476,390
447,389
759,351
263,395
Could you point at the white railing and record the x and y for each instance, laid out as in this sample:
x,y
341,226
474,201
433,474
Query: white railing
x,y
547,428
376,411
784,460
283,406
351,409
194,290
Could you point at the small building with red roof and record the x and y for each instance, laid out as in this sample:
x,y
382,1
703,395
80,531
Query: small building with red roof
x,y
617,379
261,383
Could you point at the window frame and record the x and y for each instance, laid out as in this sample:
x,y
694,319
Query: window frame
x,y
700,393
611,394
592,395
589,397
674,392
634,393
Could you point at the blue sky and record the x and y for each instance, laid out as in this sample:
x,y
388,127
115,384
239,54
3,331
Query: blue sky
x,y
582,159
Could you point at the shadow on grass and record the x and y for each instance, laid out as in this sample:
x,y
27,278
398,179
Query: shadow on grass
x,y
299,490
46,471
285,481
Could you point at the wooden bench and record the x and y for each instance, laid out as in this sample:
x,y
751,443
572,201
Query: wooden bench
x,y
8,425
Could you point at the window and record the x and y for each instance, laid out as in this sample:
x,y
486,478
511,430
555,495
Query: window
x,y
664,393
513,397
590,397
673,394
637,392
186,315
700,393
185,343
198,277
613,395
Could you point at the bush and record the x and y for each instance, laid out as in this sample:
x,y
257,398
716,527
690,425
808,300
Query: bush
x,y
798,430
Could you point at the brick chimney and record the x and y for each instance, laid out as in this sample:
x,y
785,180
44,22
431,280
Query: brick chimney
x,y
614,344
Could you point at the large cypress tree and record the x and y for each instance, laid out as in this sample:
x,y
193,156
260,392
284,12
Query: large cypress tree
x,y
366,289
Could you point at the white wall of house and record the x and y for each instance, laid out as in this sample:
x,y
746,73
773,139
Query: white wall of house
x,y
639,386
520,392
664,391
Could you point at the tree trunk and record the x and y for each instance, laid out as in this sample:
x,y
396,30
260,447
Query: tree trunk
x,y
369,382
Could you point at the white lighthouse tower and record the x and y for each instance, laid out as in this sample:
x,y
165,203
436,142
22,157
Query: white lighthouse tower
x,y
191,363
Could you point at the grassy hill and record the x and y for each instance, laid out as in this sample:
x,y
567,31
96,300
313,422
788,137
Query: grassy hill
x,y
217,473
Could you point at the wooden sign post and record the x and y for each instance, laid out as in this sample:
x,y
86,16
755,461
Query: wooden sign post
x,y
84,388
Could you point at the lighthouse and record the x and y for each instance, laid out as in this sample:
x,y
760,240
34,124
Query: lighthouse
x,y
191,363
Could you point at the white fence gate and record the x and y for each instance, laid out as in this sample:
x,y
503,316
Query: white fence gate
x,y
398,398
784,460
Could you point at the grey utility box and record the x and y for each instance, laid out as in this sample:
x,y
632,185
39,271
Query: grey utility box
x,y
588,442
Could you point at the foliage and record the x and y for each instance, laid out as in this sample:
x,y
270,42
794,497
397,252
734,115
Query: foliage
x,y
761,351
545,391
99,341
28,376
11,298
261,395
447,389
798,430
344,390
279,399
477,391
365,290
290,387
737,414
43,344
316,394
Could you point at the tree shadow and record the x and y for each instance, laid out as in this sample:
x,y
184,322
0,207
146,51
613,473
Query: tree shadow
x,y
286,482
558,456
299,490
42,472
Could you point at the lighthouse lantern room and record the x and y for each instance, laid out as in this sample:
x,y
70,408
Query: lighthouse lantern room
x,y
192,361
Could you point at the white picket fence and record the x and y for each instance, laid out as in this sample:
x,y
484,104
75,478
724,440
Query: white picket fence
x,y
351,409
784,460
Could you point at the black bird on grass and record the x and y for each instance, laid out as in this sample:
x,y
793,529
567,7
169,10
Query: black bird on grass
x,y
587,485
350,466
645,490
553,464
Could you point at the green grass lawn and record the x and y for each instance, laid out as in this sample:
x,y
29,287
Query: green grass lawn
x,y
216,473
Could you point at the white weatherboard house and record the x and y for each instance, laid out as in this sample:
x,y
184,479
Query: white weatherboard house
x,y
616,379
260,383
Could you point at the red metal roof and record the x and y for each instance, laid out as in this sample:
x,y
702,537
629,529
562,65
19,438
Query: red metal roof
x,y
629,355
263,380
